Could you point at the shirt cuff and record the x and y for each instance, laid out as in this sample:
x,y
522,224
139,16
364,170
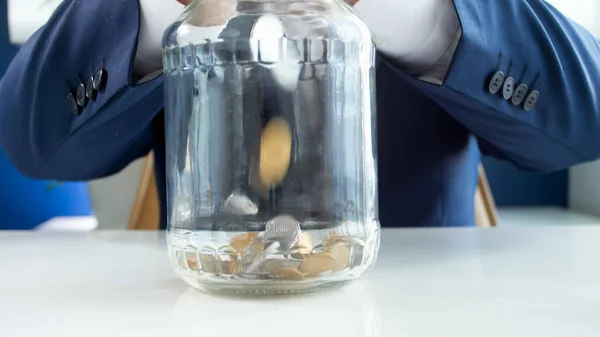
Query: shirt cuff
x,y
155,17
419,35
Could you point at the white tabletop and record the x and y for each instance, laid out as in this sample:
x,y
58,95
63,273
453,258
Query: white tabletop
x,y
533,281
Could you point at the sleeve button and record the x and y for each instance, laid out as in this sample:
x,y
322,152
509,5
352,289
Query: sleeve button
x,y
89,89
531,100
81,97
99,80
519,95
508,88
496,82
73,106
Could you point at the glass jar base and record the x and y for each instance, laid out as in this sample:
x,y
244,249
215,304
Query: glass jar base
x,y
274,289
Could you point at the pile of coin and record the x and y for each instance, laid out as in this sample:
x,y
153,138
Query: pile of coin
x,y
281,252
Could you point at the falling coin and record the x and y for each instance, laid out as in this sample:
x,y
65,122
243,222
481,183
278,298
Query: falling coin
x,y
318,263
239,204
275,152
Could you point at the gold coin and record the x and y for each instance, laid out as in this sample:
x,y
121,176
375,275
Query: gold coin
x,y
300,254
241,242
304,242
192,264
288,274
341,251
275,152
318,263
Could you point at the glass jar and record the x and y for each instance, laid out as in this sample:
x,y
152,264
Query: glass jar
x,y
270,145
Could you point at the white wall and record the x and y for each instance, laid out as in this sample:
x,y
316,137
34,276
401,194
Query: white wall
x,y
584,184
113,197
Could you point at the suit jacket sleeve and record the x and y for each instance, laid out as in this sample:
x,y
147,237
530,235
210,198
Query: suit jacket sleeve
x,y
39,131
532,42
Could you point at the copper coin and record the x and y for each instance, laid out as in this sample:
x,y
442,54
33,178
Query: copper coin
x,y
318,263
290,274
341,251
275,152
242,241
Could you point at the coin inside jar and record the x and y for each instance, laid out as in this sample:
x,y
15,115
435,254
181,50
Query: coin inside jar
x,y
318,263
242,241
275,152
190,257
288,274
341,251
228,260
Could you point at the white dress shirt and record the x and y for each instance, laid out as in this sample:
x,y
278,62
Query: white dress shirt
x,y
420,35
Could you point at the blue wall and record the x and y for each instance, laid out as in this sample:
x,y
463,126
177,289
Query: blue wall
x,y
25,203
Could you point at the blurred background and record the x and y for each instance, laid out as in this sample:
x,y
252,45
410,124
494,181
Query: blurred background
x,y
561,198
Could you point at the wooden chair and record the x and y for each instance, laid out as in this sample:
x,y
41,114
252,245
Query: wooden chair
x,y
145,214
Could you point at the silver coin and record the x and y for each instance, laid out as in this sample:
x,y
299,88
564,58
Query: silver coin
x,y
239,204
253,265
283,229
271,265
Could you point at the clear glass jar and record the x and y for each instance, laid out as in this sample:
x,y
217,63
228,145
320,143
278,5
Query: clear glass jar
x,y
271,145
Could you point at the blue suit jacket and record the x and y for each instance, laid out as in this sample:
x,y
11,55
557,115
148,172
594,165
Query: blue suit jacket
x,y
429,136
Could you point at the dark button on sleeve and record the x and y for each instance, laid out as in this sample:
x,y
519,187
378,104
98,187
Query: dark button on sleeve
x,y
81,97
508,88
496,82
531,100
519,95
73,106
89,89
99,80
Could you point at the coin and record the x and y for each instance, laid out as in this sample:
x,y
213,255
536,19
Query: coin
x,y
289,274
271,265
282,229
239,204
228,260
304,242
341,251
275,152
318,263
190,257
252,263
300,254
242,241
